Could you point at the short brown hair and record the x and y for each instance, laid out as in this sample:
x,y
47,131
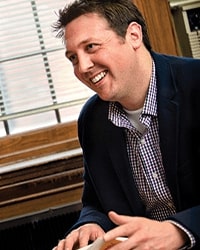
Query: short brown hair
x,y
118,13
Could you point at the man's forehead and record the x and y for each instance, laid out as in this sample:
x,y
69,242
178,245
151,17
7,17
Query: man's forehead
x,y
84,29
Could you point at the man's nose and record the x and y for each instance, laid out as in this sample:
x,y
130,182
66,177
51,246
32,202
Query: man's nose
x,y
85,63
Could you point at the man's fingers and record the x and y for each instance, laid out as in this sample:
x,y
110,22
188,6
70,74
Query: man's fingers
x,y
118,219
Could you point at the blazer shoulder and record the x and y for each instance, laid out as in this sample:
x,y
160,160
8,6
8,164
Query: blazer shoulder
x,y
187,63
93,107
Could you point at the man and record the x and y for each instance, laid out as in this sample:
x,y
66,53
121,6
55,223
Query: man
x,y
140,134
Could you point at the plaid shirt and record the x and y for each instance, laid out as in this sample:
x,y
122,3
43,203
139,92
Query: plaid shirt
x,y
145,156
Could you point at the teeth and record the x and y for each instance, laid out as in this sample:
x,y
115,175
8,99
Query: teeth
x,y
98,77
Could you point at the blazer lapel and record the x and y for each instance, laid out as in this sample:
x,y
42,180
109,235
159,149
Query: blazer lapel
x,y
119,157
168,111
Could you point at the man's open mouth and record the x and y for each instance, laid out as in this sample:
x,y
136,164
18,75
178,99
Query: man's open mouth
x,y
99,77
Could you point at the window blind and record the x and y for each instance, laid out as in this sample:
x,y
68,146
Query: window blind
x,y
37,84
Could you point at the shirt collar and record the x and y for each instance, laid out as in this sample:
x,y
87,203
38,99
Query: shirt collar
x,y
149,108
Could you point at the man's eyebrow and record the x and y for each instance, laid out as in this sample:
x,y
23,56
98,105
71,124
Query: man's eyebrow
x,y
88,40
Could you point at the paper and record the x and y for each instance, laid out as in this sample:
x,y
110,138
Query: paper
x,y
97,244
100,244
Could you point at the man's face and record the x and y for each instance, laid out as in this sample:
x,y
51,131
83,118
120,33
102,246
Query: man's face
x,y
101,59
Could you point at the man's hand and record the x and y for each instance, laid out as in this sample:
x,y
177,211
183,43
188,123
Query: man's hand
x,y
145,233
80,237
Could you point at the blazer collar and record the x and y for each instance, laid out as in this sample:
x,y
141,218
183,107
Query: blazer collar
x,y
168,112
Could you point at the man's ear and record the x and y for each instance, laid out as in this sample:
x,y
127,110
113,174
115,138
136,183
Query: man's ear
x,y
134,34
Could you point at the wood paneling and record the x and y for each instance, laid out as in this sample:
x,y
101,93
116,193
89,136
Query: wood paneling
x,y
160,25
40,187
33,144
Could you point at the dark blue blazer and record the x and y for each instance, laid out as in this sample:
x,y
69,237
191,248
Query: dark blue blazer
x,y
108,181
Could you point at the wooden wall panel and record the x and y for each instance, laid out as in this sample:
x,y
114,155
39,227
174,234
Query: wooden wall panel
x,y
37,143
160,25
41,187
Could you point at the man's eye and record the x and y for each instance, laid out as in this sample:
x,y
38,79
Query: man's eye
x,y
91,46
73,58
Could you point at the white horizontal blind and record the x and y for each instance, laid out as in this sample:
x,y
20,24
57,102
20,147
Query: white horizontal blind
x,y
37,84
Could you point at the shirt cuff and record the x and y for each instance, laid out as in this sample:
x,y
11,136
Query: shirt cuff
x,y
189,234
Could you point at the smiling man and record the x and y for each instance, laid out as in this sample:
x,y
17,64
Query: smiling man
x,y
139,134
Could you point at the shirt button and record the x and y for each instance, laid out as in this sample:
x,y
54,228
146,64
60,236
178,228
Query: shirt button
x,y
155,176
142,141
170,204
